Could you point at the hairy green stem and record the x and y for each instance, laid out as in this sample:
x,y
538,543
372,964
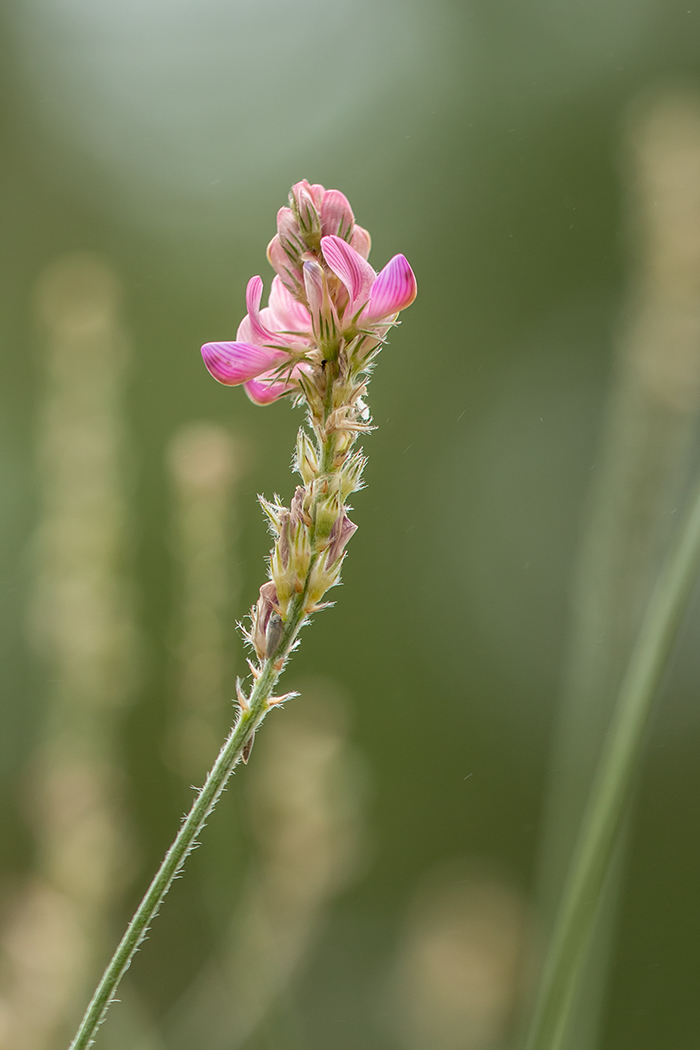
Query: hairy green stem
x,y
239,739
237,746
611,788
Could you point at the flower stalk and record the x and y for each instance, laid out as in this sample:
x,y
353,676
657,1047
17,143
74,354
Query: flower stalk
x,y
317,340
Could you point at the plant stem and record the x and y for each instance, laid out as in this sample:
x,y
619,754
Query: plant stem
x,y
611,788
239,738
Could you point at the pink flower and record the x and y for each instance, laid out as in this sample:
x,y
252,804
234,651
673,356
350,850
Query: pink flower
x,y
374,299
269,347
314,212
325,297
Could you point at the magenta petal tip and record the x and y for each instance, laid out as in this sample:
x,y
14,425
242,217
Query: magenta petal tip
x,y
235,363
394,289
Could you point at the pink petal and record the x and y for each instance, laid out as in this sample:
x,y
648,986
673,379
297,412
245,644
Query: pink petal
x,y
267,388
288,231
253,295
343,529
361,241
289,274
314,285
234,363
289,314
355,272
394,289
317,192
336,214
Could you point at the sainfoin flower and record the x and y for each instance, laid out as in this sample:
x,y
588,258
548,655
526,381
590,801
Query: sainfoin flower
x,y
326,300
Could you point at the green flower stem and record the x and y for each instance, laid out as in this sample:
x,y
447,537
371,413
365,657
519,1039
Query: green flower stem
x,y
611,788
239,739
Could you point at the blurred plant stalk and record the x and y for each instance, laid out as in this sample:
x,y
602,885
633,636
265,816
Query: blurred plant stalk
x,y
461,962
640,491
204,464
305,797
81,625
611,789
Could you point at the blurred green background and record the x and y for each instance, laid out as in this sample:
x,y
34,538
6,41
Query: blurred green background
x,y
486,141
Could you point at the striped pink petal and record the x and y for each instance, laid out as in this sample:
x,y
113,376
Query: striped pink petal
x,y
315,285
266,388
234,363
394,289
288,231
361,241
336,214
317,192
355,272
290,315
253,295
288,269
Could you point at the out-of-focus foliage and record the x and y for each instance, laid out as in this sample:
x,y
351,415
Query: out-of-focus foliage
x,y
145,150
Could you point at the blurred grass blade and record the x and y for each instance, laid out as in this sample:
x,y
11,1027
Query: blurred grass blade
x,y
611,787
642,474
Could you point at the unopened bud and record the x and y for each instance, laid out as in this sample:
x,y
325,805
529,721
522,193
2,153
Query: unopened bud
x,y
282,571
289,233
260,614
327,513
287,265
274,512
306,213
306,460
351,474
341,532
301,555
321,578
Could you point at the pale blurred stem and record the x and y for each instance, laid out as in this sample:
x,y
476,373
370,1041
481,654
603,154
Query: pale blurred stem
x,y
611,788
241,736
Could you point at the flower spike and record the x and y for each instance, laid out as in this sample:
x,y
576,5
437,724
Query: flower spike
x,y
326,319
327,316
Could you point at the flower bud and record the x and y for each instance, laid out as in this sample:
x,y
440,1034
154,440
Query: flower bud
x,y
301,555
260,613
283,575
342,531
274,512
328,511
300,506
303,206
305,458
289,232
286,265
351,474
321,578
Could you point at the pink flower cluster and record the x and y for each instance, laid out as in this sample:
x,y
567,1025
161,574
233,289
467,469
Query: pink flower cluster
x,y
325,297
